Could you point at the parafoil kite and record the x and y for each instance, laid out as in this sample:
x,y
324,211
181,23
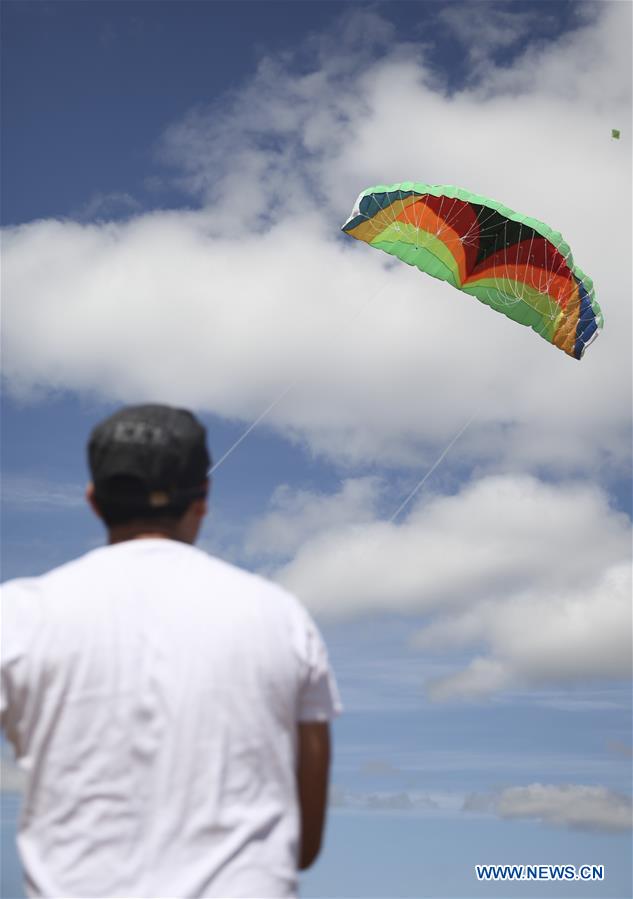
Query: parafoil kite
x,y
515,264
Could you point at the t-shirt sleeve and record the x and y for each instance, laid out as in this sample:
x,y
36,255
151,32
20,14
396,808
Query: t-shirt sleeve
x,y
4,698
319,698
9,651
18,619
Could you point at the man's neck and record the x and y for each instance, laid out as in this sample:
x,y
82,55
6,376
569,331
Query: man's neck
x,y
121,533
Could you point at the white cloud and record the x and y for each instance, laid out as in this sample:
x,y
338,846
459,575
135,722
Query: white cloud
x,y
601,87
299,515
24,491
536,574
223,307
384,801
103,206
541,636
571,805
497,534
495,29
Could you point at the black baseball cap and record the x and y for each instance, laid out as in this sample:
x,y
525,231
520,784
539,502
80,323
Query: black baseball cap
x,y
153,458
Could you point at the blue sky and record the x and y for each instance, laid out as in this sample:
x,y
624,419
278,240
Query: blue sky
x,y
174,179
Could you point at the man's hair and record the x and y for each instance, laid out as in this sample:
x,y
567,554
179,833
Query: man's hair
x,y
124,501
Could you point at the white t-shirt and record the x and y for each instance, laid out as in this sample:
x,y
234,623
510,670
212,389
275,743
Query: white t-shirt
x,y
152,694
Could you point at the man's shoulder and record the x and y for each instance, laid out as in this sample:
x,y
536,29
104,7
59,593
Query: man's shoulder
x,y
249,590
32,585
173,569
245,581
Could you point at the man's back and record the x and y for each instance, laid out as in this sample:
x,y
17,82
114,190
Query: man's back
x,y
159,692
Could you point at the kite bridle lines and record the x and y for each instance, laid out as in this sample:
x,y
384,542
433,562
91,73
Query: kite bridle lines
x,y
508,290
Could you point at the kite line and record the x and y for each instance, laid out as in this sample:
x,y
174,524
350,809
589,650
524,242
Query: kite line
x,y
287,389
252,426
435,465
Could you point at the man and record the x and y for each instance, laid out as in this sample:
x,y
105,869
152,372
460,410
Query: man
x,y
170,710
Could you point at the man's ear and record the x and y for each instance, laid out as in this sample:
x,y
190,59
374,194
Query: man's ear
x,y
200,507
203,504
91,499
